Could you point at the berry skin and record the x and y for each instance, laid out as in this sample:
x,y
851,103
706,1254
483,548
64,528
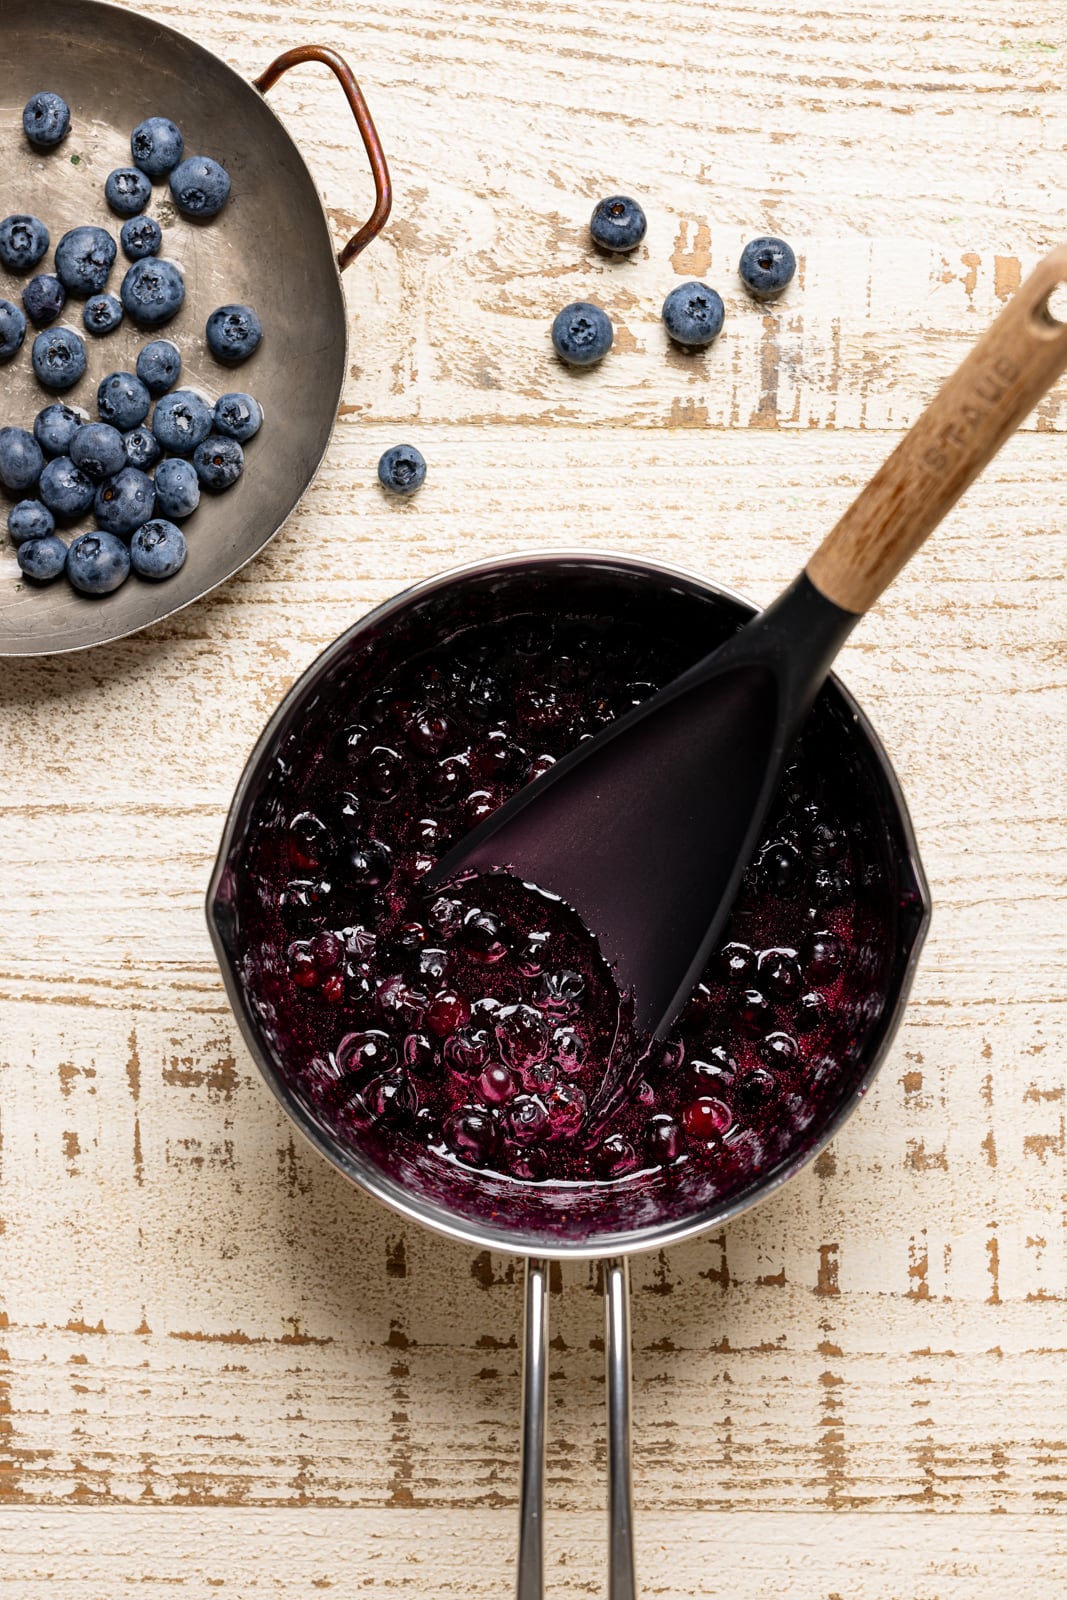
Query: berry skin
x,y
124,501
693,315
153,291
123,400
140,237
233,333
21,459
219,462
30,519
618,224
664,1139
471,1134
65,489
84,259
127,191
101,314
181,421
12,329
46,120
824,955
58,358
156,145
157,549
43,298
141,448
54,427
97,563
582,334
42,559
177,488
766,267
615,1157
159,366
706,1119
200,186
23,241
737,963
402,469
98,449
238,416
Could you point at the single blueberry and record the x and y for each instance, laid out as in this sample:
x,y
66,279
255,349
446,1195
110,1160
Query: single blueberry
x,y
45,120
12,329
58,358
23,241
158,366
102,313
127,191
123,400
402,469
54,427
618,224
123,502
98,449
65,489
152,291
181,421
156,145
97,563
21,459
140,237
141,447
84,259
692,314
42,559
238,416
177,488
157,549
30,519
200,186
233,333
219,462
44,298
766,267
582,334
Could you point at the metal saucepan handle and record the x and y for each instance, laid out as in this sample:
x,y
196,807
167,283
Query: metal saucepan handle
x,y
383,189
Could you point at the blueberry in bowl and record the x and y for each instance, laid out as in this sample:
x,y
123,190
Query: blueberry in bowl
x,y
21,459
65,489
23,241
200,186
156,145
177,489
29,519
233,333
101,314
58,358
84,259
238,415
124,501
157,550
153,291
55,426
127,191
12,329
218,461
140,237
98,449
43,299
46,120
182,420
159,366
123,400
98,563
42,559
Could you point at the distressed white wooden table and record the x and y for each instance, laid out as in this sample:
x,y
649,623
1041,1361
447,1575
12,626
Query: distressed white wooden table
x,y
224,1372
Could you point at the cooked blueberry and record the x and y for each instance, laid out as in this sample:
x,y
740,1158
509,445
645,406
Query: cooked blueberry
x,y
127,191
618,224
810,1012
200,186
615,1156
402,469
98,449
219,462
468,1051
664,1139
779,973
97,563
482,936
368,865
755,1089
826,843
753,1012
369,1050
737,962
44,298
181,421
21,459
156,145
823,957
707,1118
233,333
153,291
54,427
831,886
238,416
45,120
84,259
693,315
30,519
65,489
472,1135
782,868
778,1050
124,501
301,902
102,313
177,488
522,1036
766,267
58,358
159,365
42,559
123,400
23,241
142,448
582,334
157,549
140,237
12,329
528,1119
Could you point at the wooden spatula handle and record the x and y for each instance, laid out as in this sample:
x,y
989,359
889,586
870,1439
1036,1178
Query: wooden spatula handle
x,y
1010,368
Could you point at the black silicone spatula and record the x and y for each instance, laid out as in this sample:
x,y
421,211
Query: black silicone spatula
x,y
647,828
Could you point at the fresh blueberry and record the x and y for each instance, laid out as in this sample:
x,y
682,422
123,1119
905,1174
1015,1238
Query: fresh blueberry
x,y
54,427
142,449
65,489
58,358
44,298
181,421
402,469
140,237
21,459
98,449
177,488
127,191
123,502
84,258
239,416
766,267
45,120
97,563
102,313
156,145
200,186
582,334
152,291
29,519
219,462
692,314
123,400
618,224
157,549
43,559
23,241
233,333
12,329
158,366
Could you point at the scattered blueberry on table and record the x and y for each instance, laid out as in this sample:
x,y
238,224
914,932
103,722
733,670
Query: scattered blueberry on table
x,y
23,241
46,120
582,334
233,333
127,191
766,267
618,224
12,329
200,186
156,145
402,470
693,315
101,314
140,237
43,299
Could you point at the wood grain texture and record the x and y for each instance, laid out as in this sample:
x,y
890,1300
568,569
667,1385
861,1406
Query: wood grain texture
x,y
221,1370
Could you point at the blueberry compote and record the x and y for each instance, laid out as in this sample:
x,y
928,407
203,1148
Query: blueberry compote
x,y
478,1026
